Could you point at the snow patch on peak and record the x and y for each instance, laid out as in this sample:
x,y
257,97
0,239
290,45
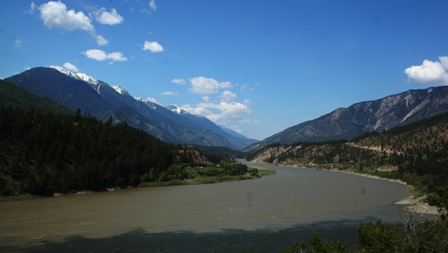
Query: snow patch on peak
x,y
147,101
120,90
77,75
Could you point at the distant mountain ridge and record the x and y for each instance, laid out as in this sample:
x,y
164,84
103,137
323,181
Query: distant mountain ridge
x,y
99,99
378,115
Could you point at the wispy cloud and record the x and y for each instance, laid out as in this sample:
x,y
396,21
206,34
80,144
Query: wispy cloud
x,y
169,93
100,55
152,5
429,72
33,8
179,81
18,43
56,15
153,46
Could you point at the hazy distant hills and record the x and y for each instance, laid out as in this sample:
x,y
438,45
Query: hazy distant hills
x,y
97,98
377,115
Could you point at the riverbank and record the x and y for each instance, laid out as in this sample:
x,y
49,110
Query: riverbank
x,y
211,179
191,181
411,204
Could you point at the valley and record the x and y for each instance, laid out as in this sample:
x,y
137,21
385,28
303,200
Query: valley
x,y
47,150
261,215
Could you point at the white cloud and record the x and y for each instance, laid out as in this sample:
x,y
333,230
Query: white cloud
x,y
444,61
108,18
226,112
205,86
96,54
100,55
116,56
196,110
219,103
153,5
429,72
153,46
179,81
227,96
223,113
56,15
70,67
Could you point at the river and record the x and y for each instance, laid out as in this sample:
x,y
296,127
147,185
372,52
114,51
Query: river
x,y
260,215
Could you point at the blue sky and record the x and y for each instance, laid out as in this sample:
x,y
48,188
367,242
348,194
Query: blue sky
x,y
257,67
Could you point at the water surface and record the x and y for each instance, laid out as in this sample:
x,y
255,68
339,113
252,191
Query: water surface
x,y
262,215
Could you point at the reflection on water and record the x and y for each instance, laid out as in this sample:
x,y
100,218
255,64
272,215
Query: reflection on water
x,y
263,215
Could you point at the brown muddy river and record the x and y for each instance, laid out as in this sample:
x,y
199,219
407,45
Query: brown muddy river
x,y
262,215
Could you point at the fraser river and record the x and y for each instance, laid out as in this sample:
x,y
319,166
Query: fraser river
x,y
260,215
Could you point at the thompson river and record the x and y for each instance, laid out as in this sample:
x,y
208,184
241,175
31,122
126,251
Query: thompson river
x,y
260,215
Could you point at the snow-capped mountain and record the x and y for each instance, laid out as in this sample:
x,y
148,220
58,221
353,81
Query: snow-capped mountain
x,y
99,99
119,89
77,75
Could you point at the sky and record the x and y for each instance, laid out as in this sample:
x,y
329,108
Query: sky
x,y
257,67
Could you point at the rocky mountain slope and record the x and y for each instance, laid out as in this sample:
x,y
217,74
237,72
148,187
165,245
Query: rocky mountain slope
x,y
377,115
99,99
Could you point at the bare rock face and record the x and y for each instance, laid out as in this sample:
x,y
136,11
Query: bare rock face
x,y
378,115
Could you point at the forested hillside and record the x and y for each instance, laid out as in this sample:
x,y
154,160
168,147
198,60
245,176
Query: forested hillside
x,y
41,154
11,94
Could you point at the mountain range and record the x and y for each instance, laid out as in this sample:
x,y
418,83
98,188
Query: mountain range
x,y
174,125
103,101
369,116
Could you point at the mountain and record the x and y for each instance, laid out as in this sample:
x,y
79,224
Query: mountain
x,y
99,99
378,115
234,138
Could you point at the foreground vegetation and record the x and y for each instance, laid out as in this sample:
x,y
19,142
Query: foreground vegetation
x,y
428,236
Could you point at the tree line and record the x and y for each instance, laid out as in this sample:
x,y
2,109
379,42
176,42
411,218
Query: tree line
x,y
41,154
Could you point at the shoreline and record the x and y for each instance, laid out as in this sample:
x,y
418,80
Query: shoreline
x,y
410,204
175,182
